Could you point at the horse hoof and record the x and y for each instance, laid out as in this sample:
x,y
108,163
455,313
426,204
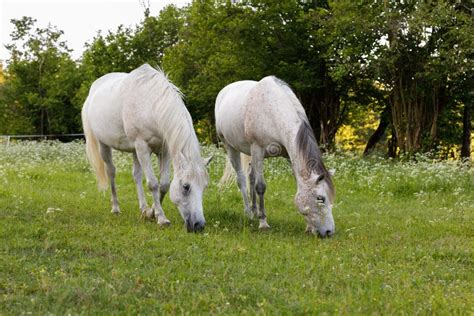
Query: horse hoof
x,y
115,211
311,231
263,225
147,214
163,221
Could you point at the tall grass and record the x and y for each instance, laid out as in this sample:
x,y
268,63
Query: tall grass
x,y
403,243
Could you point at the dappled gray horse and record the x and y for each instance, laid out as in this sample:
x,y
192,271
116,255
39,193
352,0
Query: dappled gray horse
x,y
264,119
143,113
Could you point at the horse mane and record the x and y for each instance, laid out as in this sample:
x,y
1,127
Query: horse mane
x,y
174,118
309,150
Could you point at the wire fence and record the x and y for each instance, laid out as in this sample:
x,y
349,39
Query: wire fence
x,y
62,137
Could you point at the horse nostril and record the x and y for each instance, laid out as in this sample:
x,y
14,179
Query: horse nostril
x,y
326,234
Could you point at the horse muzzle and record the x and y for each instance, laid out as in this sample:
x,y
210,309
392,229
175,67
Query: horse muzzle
x,y
325,233
195,226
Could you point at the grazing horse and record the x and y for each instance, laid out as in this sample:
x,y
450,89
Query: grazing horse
x,y
264,119
141,112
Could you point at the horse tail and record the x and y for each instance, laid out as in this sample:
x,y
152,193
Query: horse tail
x,y
229,174
93,154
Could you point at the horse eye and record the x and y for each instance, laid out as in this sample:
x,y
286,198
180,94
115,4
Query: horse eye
x,y
320,199
186,188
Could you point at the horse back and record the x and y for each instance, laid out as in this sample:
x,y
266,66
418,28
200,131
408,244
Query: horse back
x,y
271,115
250,112
103,107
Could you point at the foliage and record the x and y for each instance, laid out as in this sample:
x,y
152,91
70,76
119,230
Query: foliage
x,y
208,57
128,48
403,242
2,75
425,54
41,82
224,42
410,63
350,138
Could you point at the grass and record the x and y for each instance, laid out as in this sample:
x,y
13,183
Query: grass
x,y
403,243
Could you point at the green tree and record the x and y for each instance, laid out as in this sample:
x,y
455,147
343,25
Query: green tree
x,y
128,48
410,61
423,61
215,49
41,82
316,47
225,42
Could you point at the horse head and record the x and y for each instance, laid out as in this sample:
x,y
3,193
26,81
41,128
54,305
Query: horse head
x,y
186,191
314,200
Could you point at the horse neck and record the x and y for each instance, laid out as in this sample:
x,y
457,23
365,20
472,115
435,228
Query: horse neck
x,y
288,121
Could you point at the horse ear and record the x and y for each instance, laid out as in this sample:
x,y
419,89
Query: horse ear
x,y
208,160
332,172
320,178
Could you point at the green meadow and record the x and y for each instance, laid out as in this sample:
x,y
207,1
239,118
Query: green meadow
x,y
404,242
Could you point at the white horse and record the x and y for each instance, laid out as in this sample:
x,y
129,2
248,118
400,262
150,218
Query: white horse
x,y
143,113
264,119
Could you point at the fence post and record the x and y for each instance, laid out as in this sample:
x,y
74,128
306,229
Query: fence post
x,y
8,141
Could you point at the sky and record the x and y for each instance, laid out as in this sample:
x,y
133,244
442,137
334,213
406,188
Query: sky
x,y
79,19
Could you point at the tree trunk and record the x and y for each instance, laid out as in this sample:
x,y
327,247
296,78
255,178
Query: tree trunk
x,y
466,130
377,135
323,115
42,122
392,145
324,112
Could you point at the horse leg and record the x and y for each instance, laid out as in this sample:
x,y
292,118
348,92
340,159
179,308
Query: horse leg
x,y
258,154
164,174
143,154
234,157
253,194
137,176
106,154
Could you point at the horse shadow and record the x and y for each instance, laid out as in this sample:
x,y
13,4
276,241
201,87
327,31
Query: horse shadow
x,y
234,221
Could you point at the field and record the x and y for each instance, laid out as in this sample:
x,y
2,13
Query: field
x,y
404,242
